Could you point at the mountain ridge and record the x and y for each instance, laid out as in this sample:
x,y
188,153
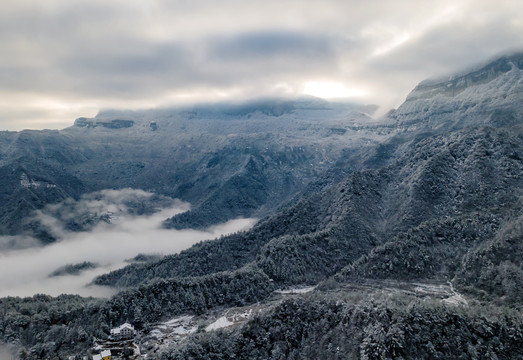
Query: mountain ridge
x,y
410,245
490,96
202,154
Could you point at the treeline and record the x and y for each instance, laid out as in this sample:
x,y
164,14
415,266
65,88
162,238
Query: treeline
x,y
343,213
73,269
359,328
311,258
43,326
228,253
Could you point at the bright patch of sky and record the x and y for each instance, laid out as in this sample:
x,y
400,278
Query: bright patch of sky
x,y
331,90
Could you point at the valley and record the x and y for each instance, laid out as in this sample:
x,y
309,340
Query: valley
x,y
345,236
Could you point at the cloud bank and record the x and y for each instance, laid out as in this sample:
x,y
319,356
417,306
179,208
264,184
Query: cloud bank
x,y
25,272
61,59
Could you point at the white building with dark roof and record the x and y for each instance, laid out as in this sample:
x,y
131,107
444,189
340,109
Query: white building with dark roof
x,y
124,331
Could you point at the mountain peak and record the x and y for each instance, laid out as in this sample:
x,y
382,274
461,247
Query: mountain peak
x,y
455,84
490,94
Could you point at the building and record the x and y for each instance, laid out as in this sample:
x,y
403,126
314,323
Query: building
x,y
124,331
104,355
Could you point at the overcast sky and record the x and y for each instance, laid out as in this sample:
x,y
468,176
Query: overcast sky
x,y
61,59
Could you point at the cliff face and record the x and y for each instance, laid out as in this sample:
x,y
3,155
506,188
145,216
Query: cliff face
x,y
491,95
455,84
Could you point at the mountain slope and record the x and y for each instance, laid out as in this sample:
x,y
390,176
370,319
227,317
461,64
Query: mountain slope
x,y
334,327
413,242
450,192
236,160
33,173
488,95
442,181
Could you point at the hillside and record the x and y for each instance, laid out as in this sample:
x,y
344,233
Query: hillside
x,y
487,95
469,176
227,160
439,183
402,240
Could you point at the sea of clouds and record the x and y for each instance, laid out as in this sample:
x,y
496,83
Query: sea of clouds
x,y
124,233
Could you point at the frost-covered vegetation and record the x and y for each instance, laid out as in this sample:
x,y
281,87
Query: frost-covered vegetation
x,y
338,327
438,201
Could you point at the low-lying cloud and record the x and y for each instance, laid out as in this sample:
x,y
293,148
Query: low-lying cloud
x,y
101,206
6,351
25,272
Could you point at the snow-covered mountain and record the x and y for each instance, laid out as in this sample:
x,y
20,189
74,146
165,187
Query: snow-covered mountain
x,y
491,94
406,230
227,160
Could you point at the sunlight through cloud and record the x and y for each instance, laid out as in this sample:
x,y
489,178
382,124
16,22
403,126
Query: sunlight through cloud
x,y
331,90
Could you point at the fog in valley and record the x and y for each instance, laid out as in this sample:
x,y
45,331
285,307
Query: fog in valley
x,y
121,234
5,352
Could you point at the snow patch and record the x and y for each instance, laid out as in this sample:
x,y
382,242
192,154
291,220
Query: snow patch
x,y
30,183
456,299
182,325
218,324
296,291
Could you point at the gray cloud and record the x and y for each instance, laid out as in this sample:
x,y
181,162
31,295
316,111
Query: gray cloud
x,y
222,61
61,59
442,50
269,44
266,58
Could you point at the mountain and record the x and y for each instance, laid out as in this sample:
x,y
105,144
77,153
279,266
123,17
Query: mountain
x,y
439,183
468,176
430,205
227,160
34,172
408,245
487,95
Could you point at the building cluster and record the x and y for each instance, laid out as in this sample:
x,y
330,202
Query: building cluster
x,y
104,355
123,332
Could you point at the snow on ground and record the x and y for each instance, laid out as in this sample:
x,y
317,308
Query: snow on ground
x,y
218,324
178,320
440,291
233,316
182,325
296,291
456,299
169,332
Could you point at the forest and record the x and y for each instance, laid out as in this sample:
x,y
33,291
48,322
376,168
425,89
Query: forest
x,y
412,243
